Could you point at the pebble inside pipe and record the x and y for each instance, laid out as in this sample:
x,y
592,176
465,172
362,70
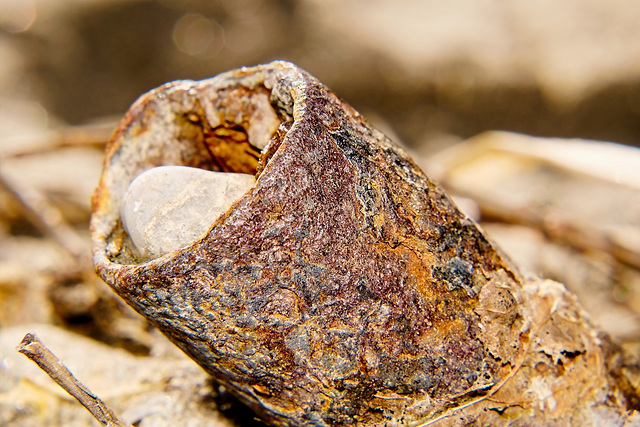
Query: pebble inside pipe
x,y
168,207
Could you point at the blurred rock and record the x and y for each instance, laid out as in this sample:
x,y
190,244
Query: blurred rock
x,y
459,67
568,49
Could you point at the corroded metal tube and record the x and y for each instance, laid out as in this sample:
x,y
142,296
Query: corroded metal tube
x,y
344,287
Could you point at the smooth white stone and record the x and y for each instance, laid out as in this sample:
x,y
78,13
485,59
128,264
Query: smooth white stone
x,y
168,207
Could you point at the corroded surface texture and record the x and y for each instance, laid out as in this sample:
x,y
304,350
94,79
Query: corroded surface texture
x,y
344,287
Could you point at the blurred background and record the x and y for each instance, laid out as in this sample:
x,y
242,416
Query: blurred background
x,y
431,69
435,75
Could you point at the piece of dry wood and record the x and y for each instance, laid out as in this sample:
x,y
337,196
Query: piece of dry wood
x,y
34,349
584,193
47,218
89,135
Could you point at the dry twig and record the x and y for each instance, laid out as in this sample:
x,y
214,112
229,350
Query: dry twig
x,y
34,349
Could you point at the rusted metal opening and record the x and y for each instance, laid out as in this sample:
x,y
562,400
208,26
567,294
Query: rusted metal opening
x,y
232,129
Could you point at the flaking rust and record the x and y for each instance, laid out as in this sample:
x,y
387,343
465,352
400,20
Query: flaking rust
x,y
344,288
